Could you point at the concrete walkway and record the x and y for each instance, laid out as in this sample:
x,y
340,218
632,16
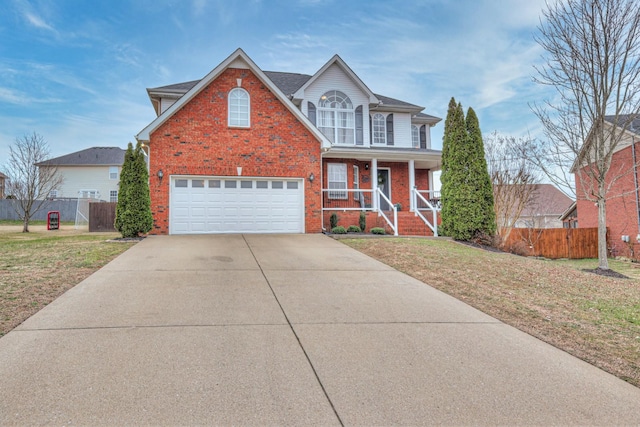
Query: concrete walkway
x,y
284,330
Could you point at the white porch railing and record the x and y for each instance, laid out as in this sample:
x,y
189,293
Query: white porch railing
x,y
358,200
394,224
431,202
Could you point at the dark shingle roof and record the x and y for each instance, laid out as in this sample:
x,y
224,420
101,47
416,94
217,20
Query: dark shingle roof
x,y
624,119
288,83
106,156
547,200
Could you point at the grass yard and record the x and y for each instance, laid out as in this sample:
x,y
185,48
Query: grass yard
x,y
593,317
37,267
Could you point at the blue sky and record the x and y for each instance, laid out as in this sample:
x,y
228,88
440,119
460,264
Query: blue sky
x,y
75,71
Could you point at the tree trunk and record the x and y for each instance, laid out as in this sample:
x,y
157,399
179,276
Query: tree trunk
x,y
603,262
25,225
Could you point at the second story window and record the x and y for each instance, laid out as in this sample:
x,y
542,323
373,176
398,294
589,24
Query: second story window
x,y
238,108
379,124
336,119
113,172
415,136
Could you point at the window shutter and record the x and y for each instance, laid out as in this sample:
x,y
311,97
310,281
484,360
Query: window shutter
x,y
359,133
390,129
311,109
423,136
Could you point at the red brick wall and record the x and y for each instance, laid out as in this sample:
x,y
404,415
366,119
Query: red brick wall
x,y
621,203
197,141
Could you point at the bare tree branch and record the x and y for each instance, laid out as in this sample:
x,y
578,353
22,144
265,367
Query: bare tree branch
x,y
29,184
592,60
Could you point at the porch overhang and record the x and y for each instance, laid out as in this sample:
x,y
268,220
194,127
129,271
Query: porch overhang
x,y
424,159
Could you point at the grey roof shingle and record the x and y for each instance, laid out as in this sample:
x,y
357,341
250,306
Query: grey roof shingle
x,y
624,119
288,83
94,156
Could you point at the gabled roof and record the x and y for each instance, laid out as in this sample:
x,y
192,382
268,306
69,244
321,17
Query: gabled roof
x,y
94,156
336,60
546,199
241,56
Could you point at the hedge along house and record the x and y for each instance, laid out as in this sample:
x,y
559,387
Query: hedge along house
x,y
245,150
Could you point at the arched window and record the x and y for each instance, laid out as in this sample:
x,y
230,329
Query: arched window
x,y
379,123
336,117
415,136
238,107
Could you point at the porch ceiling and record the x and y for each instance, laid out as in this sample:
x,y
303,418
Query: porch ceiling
x,y
424,159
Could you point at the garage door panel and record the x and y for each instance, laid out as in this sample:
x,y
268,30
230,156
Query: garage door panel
x,y
219,205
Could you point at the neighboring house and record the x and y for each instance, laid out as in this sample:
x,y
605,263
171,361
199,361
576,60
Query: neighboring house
x,y
247,150
623,204
545,208
3,178
93,173
570,217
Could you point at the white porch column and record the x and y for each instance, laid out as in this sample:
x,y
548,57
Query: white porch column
x,y
374,183
412,184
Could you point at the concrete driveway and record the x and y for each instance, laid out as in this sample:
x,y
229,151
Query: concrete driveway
x,y
284,330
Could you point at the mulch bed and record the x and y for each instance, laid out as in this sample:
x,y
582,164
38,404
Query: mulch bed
x,y
607,273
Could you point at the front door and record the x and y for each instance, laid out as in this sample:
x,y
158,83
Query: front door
x,y
384,183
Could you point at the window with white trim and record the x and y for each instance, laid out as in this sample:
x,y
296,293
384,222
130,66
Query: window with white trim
x,y
239,107
379,123
53,194
356,182
337,180
113,172
88,194
113,196
415,136
336,118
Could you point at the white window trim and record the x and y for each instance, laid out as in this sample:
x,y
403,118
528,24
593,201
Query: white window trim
x,y
53,194
112,196
356,181
337,180
112,170
384,129
415,136
91,194
335,116
237,122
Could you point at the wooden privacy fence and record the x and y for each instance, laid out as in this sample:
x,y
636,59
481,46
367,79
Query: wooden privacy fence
x,y
102,216
554,243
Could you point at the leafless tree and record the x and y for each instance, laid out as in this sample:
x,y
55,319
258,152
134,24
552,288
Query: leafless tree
x,y
512,177
592,60
30,185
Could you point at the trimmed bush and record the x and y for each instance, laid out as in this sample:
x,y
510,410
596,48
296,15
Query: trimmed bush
x,y
338,230
378,230
333,220
363,221
354,229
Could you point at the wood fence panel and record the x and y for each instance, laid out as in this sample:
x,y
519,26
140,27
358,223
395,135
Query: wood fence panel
x,y
102,216
554,243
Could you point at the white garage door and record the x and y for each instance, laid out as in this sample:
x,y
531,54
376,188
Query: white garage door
x,y
236,205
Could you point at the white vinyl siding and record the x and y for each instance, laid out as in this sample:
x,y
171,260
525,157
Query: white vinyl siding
x,y
77,178
335,79
337,180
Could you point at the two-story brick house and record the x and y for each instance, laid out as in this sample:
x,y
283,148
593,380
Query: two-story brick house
x,y
247,150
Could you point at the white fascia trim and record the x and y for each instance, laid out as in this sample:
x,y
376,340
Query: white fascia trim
x,y
299,94
144,135
387,155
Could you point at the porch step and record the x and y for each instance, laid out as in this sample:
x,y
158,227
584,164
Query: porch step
x,y
411,225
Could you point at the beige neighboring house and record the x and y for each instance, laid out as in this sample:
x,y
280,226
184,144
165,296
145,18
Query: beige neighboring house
x,y
93,173
547,206
3,178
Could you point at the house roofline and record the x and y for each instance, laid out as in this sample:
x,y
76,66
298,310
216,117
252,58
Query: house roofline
x,y
145,134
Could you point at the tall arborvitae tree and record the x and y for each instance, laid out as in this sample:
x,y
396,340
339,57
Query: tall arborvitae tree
x,y
467,197
123,189
133,212
453,172
484,219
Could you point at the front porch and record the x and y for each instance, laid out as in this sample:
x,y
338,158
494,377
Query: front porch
x,y
393,195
